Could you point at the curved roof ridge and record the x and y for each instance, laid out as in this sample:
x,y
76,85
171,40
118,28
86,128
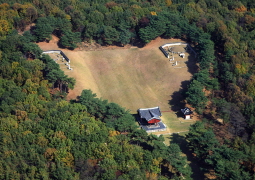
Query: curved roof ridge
x,y
157,107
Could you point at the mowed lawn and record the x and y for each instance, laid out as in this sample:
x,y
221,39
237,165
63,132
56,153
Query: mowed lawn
x,y
133,78
176,124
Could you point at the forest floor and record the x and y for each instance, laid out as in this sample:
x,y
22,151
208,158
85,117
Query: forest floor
x,y
132,77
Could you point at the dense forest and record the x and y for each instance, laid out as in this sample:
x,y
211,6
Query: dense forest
x,y
43,136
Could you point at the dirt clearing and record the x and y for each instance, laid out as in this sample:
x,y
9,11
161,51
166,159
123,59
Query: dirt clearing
x,y
131,77
134,78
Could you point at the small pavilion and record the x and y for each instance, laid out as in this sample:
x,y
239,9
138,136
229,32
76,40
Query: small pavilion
x,y
186,112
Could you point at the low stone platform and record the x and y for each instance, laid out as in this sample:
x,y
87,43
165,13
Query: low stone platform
x,y
154,128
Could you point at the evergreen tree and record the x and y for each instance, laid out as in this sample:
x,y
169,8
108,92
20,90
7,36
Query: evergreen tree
x,y
195,95
70,39
177,162
43,29
201,140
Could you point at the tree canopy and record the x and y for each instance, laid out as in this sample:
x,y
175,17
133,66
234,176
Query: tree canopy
x,y
45,137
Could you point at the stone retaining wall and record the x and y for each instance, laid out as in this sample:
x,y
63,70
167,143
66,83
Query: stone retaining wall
x,y
175,44
59,52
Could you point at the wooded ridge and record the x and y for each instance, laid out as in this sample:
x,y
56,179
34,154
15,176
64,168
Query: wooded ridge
x,y
45,137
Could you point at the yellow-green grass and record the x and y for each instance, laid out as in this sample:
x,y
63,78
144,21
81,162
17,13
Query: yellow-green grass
x,y
174,124
133,78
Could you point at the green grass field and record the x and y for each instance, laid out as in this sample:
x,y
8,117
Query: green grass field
x,y
174,124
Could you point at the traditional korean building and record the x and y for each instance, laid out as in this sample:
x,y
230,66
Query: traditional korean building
x,y
150,115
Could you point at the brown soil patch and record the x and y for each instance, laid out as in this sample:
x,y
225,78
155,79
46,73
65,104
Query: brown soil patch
x,y
52,45
159,42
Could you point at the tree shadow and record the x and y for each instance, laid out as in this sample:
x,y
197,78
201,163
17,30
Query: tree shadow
x,y
192,63
60,45
137,117
177,101
138,43
32,29
196,169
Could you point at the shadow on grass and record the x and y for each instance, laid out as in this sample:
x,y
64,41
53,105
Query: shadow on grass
x,y
139,120
181,141
191,63
176,101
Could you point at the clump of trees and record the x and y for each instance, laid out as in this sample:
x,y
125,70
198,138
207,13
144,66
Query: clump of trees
x,y
229,161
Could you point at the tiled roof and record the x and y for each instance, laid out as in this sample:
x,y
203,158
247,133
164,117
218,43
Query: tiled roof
x,y
186,111
150,113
